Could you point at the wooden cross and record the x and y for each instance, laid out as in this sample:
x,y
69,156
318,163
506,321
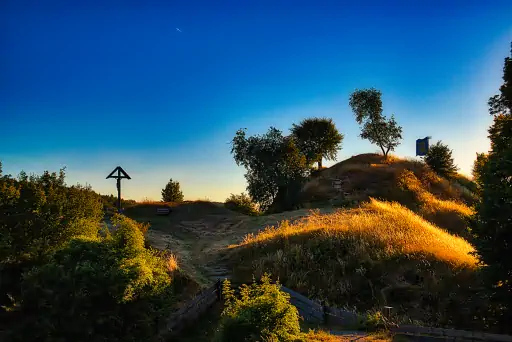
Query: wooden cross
x,y
120,175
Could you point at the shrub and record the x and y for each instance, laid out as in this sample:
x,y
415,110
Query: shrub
x,y
241,203
439,159
94,289
261,312
39,214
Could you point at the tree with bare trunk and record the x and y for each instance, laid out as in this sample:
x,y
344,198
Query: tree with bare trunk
x,y
367,107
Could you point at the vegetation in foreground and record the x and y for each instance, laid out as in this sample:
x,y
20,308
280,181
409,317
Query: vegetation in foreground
x,y
65,276
379,254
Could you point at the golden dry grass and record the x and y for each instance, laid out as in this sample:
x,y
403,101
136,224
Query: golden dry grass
x,y
396,227
322,336
409,182
379,254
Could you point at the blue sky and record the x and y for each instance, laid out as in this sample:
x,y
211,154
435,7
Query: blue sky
x,y
91,85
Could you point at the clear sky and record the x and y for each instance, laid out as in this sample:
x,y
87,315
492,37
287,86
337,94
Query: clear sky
x,y
94,84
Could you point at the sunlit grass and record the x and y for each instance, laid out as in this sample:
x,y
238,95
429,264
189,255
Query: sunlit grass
x,y
381,253
391,224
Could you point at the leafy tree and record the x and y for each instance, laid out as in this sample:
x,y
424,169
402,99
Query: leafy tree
x,y
172,192
96,288
262,313
493,226
275,167
317,138
367,107
242,203
439,159
478,168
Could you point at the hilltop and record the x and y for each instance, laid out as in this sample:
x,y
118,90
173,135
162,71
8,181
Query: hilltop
x,y
409,182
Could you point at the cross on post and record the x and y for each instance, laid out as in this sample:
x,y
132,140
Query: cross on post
x,y
120,175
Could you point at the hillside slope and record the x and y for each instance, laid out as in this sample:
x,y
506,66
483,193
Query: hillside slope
x,y
411,183
379,254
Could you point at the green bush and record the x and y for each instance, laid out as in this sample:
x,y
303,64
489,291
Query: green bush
x,y
39,214
241,203
96,288
262,312
439,159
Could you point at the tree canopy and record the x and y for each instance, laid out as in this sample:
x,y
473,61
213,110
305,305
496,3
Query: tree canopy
x,y
172,192
275,167
493,227
317,138
367,107
439,159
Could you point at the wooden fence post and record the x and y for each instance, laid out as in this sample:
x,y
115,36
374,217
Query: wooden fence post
x,y
219,290
325,310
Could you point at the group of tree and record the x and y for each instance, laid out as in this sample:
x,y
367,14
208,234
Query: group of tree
x,y
493,225
64,276
278,165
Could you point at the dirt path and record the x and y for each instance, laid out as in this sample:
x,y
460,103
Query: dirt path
x,y
200,232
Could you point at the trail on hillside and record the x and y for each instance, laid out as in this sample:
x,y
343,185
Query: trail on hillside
x,y
198,233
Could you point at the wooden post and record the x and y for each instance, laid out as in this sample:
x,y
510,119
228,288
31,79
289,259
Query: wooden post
x,y
120,174
119,195
219,290
325,310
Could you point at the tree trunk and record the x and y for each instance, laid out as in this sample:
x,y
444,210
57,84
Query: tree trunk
x,y
320,163
383,151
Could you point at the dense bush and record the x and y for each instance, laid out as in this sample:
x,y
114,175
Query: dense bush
x,y
38,216
439,159
262,312
241,203
96,288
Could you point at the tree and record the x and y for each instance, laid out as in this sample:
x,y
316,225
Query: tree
x,y
172,192
275,167
439,159
317,138
367,107
478,168
493,227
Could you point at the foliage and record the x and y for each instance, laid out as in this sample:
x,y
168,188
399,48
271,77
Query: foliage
x,y
241,203
493,226
275,167
108,288
439,159
110,202
478,168
317,138
367,107
261,312
172,192
379,254
39,215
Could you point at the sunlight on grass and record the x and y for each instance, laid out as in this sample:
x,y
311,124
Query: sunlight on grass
x,y
390,224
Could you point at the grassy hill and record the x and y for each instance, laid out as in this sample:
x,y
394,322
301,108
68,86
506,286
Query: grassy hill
x,y
379,254
398,240
411,183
